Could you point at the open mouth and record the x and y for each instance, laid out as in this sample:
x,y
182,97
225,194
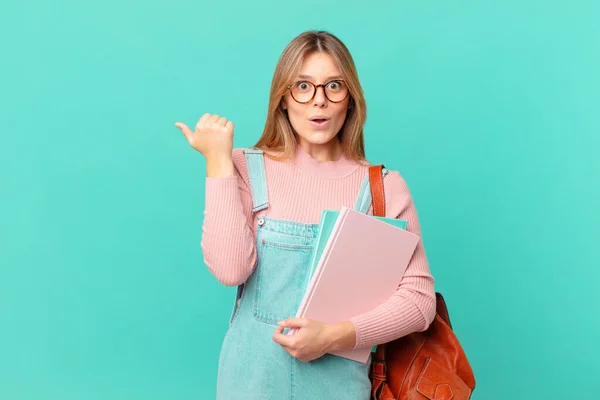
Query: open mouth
x,y
319,120
319,123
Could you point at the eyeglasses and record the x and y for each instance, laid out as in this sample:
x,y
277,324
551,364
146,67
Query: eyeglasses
x,y
304,91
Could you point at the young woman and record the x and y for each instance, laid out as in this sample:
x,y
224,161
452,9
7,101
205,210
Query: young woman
x,y
263,206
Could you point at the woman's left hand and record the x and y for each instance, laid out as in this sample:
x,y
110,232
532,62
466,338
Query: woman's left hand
x,y
309,342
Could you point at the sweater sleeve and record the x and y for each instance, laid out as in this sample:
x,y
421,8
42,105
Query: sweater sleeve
x,y
228,233
412,307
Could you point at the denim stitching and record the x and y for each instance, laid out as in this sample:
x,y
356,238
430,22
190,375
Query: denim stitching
x,y
257,179
298,247
285,226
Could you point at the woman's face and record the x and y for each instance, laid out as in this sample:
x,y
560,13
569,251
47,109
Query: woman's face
x,y
319,120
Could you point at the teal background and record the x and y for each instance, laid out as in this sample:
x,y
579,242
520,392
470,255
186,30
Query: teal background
x,y
490,110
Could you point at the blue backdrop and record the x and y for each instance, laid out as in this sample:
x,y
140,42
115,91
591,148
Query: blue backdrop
x,y
488,109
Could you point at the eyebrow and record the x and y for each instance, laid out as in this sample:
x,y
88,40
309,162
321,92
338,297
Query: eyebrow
x,y
328,79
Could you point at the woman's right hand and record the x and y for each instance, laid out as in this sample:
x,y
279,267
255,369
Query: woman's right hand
x,y
213,138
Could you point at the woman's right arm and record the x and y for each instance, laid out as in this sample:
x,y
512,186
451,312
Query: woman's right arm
x,y
228,241
227,232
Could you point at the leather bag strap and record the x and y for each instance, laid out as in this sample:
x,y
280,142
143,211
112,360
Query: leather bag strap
x,y
378,198
376,183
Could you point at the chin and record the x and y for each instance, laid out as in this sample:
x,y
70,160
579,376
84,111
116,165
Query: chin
x,y
317,137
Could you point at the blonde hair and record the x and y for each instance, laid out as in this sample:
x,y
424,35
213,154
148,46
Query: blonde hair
x,y
278,133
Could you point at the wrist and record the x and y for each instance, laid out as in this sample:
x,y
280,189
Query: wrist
x,y
340,336
219,166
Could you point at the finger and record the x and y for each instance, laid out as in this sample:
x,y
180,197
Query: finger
x,y
229,124
202,119
284,340
185,130
213,118
222,121
288,350
294,322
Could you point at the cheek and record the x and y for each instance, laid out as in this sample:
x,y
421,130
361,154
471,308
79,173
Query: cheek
x,y
341,115
296,114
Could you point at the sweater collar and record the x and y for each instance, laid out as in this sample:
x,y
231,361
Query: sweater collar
x,y
328,170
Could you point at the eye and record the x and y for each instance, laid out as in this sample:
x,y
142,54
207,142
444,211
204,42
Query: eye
x,y
335,85
303,86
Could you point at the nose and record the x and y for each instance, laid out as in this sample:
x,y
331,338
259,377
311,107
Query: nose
x,y
320,100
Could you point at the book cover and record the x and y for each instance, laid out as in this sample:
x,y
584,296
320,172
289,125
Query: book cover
x,y
361,266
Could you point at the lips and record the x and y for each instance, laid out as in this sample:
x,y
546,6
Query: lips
x,y
319,122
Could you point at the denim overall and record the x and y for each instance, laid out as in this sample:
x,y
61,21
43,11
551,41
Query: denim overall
x,y
253,366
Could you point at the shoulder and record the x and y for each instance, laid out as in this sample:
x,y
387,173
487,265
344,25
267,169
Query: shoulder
x,y
238,156
397,193
393,180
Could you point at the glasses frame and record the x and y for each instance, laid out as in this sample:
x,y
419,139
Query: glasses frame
x,y
316,87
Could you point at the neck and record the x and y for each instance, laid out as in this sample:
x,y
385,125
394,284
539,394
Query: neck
x,y
322,153
324,162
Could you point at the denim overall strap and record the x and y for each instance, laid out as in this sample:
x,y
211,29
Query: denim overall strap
x,y
363,201
255,163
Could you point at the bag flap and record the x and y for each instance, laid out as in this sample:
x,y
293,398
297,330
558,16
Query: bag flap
x,y
438,383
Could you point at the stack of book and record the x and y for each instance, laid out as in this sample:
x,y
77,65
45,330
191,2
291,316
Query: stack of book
x,y
358,263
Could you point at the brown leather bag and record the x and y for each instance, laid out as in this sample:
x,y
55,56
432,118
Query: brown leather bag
x,y
423,365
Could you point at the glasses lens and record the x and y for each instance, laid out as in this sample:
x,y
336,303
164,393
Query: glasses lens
x,y
336,90
303,91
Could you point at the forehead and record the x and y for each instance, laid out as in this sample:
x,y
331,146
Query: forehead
x,y
320,66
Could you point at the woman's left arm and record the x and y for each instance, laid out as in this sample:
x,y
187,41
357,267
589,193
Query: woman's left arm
x,y
412,307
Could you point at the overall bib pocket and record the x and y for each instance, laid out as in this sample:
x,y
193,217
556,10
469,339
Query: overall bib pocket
x,y
282,271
